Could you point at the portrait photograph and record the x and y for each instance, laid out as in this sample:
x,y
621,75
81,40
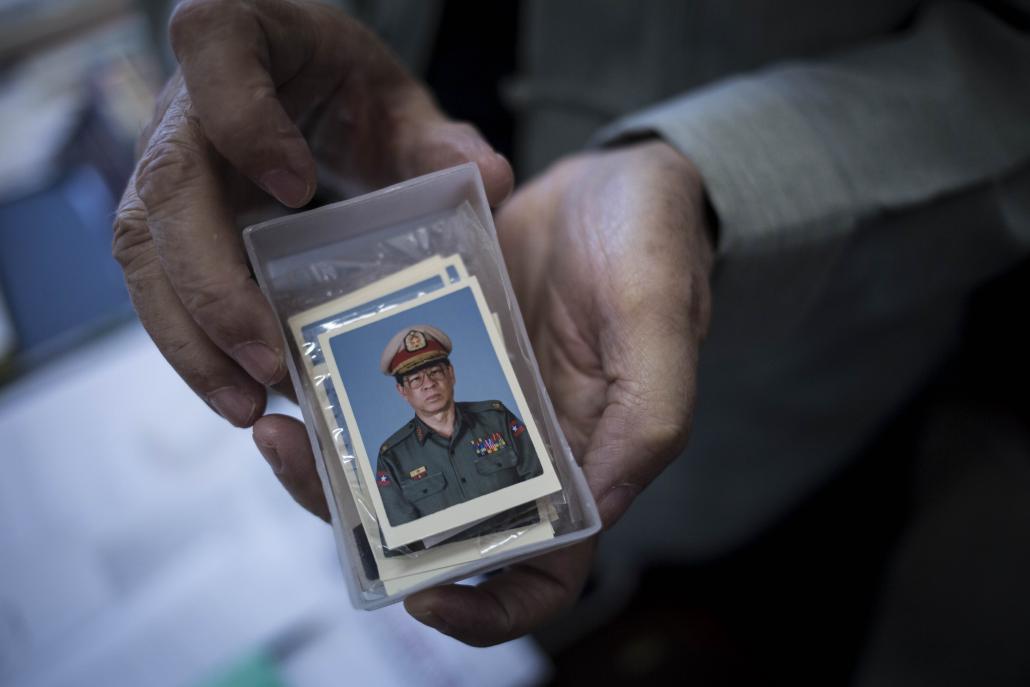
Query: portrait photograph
x,y
437,423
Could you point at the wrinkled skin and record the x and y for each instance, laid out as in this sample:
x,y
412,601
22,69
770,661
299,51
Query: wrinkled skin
x,y
265,89
610,259
608,251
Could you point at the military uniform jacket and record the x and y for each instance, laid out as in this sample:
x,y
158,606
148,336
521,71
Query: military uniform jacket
x,y
420,472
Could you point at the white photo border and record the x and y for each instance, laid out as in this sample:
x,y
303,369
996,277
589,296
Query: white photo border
x,y
404,572
475,509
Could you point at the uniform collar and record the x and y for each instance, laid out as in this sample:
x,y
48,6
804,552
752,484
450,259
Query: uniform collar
x,y
422,430
461,417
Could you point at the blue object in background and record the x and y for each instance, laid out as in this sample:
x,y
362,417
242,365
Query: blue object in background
x,y
56,269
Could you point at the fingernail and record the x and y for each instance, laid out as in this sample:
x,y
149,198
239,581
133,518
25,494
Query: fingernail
x,y
260,361
234,406
286,186
432,620
271,455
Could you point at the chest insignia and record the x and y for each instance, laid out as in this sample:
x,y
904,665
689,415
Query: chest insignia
x,y
490,444
418,473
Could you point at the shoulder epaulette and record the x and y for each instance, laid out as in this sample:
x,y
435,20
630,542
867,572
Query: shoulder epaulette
x,y
483,406
397,437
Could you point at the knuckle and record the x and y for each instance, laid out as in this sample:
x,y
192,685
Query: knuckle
x,y
173,90
131,245
211,299
173,160
141,281
130,235
178,349
201,297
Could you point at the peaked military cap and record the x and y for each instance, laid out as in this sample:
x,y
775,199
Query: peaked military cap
x,y
413,346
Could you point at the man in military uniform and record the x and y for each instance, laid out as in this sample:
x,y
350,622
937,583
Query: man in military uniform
x,y
450,452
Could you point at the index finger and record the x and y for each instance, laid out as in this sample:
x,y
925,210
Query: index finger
x,y
200,247
226,56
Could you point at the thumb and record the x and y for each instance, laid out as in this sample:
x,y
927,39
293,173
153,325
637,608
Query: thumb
x,y
283,441
647,417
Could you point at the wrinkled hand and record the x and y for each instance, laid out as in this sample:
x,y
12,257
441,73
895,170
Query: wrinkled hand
x,y
610,259
266,88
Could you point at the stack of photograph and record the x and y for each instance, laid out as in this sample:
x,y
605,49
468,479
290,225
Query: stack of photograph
x,y
439,451
444,461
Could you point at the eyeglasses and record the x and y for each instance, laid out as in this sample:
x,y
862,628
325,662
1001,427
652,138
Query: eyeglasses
x,y
415,381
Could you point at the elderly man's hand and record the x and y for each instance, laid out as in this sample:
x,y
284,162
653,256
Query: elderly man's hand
x,y
610,257
266,88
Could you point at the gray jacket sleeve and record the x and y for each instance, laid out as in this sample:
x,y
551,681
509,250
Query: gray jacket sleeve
x,y
798,152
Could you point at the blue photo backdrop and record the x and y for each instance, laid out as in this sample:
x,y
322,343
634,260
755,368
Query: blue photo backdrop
x,y
378,408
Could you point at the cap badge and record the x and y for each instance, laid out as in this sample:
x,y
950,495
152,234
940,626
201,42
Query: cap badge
x,y
414,341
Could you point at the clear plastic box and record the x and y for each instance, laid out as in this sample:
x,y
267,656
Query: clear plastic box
x,y
439,452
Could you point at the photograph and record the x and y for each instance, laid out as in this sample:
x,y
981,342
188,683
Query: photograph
x,y
438,424
447,548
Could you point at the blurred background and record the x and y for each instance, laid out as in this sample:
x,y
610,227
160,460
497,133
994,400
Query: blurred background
x,y
142,541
